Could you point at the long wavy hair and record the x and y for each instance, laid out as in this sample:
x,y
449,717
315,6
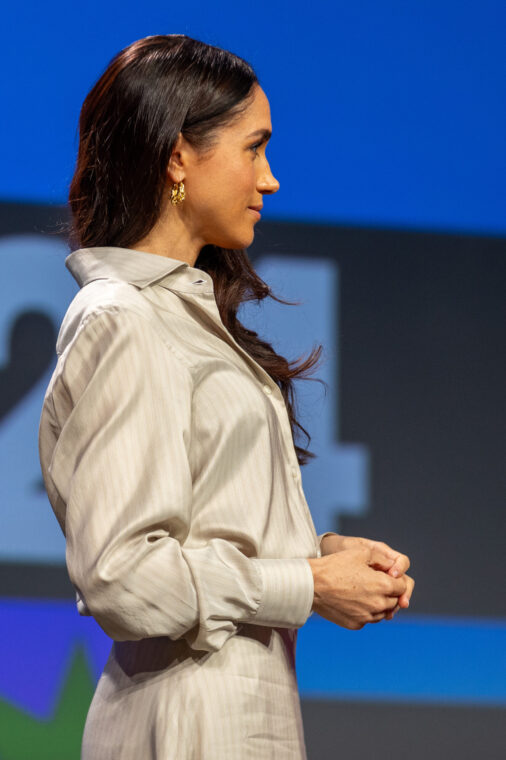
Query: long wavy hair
x,y
151,91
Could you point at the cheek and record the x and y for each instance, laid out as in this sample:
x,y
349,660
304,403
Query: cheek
x,y
240,173
243,184
230,186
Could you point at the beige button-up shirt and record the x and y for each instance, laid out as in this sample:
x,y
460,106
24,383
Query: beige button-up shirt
x,y
168,459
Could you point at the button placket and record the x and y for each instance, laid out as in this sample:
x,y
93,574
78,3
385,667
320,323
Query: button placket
x,y
202,299
286,437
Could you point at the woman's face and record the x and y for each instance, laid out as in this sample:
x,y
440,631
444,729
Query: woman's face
x,y
220,188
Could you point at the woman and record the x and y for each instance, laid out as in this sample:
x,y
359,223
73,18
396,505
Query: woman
x,y
167,432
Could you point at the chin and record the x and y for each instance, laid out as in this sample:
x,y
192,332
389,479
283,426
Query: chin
x,y
235,243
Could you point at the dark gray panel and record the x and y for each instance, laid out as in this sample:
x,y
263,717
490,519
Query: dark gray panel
x,y
422,337
392,731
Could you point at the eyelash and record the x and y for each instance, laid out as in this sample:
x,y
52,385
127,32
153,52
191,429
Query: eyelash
x,y
256,145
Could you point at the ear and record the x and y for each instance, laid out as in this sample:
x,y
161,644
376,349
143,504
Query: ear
x,y
178,159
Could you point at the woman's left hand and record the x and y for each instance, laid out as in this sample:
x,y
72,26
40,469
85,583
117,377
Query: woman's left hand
x,y
335,543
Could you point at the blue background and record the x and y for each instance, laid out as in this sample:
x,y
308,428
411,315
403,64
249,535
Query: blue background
x,y
386,115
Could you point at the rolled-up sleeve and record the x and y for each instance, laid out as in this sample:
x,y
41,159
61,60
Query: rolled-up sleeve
x,y
121,466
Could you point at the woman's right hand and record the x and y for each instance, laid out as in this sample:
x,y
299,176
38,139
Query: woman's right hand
x,y
349,590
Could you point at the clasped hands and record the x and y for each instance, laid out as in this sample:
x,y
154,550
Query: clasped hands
x,y
395,563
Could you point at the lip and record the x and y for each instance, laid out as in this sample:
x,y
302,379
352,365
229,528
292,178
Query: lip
x,y
254,210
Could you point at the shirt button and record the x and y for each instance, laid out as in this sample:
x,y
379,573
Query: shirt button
x,y
267,389
295,474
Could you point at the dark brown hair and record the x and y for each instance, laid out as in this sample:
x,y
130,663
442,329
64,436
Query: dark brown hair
x,y
151,91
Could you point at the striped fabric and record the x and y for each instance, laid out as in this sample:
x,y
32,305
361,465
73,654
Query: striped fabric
x,y
168,459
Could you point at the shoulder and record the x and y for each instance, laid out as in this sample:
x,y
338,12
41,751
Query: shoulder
x,y
105,309
99,297
96,297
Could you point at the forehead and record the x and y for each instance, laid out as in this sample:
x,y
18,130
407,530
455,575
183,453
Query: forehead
x,y
257,115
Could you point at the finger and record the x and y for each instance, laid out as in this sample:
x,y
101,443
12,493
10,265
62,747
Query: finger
x,y
385,548
391,603
377,617
402,562
400,566
390,606
394,610
379,560
404,598
391,613
395,586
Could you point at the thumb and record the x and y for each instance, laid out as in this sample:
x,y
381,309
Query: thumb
x,y
380,559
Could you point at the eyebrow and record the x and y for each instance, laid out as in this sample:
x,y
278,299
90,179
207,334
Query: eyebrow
x,y
265,133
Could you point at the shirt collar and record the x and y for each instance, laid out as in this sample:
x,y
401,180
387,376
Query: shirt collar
x,y
138,268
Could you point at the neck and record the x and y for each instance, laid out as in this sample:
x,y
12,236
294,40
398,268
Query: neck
x,y
172,236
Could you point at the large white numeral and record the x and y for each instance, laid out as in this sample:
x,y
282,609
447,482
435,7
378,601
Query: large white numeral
x,y
36,290
37,285
337,481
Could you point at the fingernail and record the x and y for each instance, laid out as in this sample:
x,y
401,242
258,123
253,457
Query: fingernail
x,y
395,573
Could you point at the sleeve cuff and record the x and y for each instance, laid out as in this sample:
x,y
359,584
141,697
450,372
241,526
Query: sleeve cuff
x,y
287,592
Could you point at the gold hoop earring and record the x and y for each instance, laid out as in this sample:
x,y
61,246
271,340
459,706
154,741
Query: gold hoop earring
x,y
177,194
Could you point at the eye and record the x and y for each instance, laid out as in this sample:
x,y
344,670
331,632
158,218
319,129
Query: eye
x,y
255,146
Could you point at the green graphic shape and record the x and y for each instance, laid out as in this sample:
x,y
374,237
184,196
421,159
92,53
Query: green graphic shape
x,y
23,737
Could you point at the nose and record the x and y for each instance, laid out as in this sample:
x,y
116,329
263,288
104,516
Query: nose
x,y
267,182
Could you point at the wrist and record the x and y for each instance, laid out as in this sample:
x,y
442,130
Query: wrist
x,y
316,565
331,542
